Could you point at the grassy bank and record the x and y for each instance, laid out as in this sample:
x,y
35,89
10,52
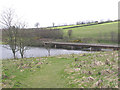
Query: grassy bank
x,y
83,70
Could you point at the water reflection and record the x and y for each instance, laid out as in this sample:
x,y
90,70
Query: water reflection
x,y
36,52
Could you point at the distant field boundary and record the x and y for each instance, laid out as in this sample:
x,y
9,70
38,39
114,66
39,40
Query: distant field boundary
x,y
85,25
73,26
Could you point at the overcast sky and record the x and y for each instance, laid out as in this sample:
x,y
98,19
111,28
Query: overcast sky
x,y
61,11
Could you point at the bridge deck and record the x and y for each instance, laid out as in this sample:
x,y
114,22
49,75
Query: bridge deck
x,y
85,45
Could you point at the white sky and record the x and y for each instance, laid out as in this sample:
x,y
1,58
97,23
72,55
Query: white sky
x,y
61,11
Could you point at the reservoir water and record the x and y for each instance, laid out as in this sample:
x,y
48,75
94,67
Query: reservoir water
x,y
35,52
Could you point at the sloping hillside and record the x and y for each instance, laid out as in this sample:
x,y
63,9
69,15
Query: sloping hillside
x,y
94,30
105,31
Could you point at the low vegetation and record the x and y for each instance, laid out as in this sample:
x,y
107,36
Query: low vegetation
x,y
90,70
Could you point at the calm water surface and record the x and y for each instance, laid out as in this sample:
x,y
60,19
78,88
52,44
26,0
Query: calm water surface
x,y
36,52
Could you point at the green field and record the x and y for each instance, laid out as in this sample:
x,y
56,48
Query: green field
x,y
94,30
92,70
99,33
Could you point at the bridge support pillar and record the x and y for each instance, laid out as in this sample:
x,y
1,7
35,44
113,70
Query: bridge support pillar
x,y
55,46
72,47
95,49
115,49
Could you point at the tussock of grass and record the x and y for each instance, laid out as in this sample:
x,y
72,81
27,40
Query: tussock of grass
x,y
16,70
98,70
89,70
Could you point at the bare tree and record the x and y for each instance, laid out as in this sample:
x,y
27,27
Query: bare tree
x,y
69,33
7,18
23,39
78,23
37,33
53,24
113,37
37,24
48,46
